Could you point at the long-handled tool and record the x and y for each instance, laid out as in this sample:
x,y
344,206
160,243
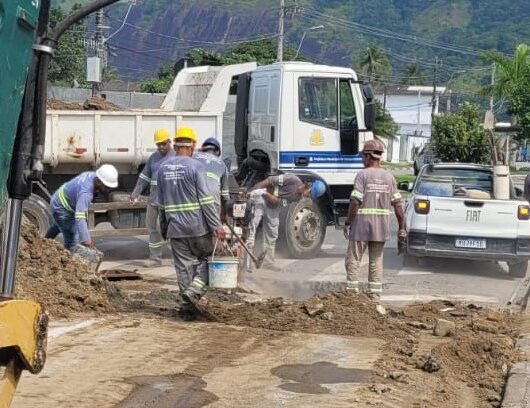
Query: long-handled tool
x,y
257,260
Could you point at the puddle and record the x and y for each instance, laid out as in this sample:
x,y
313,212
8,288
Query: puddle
x,y
308,378
179,390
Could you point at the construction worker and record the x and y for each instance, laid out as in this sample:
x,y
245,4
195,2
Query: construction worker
x,y
216,171
267,198
70,204
368,222
188,218
147,179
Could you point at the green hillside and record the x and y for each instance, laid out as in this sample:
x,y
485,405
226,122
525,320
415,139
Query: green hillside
x,y
460,30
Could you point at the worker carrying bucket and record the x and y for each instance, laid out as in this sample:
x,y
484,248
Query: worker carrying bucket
x,y
189,218
267,198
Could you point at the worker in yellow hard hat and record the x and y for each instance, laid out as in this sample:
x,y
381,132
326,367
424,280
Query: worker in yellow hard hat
x,y
147,179
190,219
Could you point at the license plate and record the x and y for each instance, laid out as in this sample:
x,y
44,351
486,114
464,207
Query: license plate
x,y
470,243
238,210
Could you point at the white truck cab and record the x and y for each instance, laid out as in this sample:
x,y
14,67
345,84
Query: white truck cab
x,y
310,120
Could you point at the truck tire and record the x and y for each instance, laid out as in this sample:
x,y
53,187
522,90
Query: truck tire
x,y
518,270
302,228
38,212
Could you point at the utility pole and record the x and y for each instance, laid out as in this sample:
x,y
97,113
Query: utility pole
x,y
492,83
100,47
435,79
279,56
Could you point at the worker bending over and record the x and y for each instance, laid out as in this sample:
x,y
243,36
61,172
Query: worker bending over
x,y
368,222
188,218
148,179
69,205
267,198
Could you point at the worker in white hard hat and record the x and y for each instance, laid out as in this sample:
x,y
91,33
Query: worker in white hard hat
x,y
70,204
147,179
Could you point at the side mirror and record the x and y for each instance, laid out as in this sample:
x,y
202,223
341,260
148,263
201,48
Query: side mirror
x,y
405,186
369,106
518,192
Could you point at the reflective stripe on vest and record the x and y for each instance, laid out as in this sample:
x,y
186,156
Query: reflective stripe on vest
x,y
280,184
62,199
357,194
80,215
144,177
213,176
182,207
373,211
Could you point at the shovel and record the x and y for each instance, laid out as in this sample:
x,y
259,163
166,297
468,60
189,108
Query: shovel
x,y
257,260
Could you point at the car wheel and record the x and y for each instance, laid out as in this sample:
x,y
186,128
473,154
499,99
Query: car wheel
x,y
518,270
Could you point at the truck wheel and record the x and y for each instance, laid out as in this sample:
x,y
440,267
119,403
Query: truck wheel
x,y
302,228
38,212
410,261
518,270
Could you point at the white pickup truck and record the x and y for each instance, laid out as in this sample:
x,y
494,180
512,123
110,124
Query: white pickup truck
x,y
451,213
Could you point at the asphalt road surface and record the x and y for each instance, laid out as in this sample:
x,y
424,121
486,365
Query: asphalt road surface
x,y
469,281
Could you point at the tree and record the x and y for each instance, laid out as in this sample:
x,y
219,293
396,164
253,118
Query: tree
x,y
384,123
199,56
68,65
263,52
460,137
413,75
375,63
513,83
162,82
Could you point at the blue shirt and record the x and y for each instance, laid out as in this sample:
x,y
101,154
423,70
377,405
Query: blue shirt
x,y
74,198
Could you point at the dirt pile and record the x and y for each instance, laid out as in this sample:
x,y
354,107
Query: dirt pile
x,y
63,284
469,364
334,313
96,103
93,103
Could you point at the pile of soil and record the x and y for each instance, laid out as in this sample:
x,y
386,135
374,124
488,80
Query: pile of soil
x,y
333,313
96,103
56,104
50,275
472,360
93,103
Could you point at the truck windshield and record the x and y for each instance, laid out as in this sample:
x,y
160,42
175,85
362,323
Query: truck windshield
x,y
449,182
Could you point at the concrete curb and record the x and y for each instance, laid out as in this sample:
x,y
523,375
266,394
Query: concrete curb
x,y
517,390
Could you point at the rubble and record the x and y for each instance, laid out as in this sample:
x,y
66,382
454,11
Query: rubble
x,y
444,328
50,275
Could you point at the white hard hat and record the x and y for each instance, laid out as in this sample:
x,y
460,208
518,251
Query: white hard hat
x,y
108,175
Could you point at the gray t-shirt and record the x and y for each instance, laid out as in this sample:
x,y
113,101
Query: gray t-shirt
x,y
285,187
376,191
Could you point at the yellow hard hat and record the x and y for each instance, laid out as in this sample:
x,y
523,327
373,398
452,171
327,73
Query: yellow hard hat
x,y
186,133
161,136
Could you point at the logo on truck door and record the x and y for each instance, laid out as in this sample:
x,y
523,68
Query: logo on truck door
x,y
316,138
473,215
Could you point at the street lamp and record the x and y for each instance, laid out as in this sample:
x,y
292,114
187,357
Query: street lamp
x,y
318,27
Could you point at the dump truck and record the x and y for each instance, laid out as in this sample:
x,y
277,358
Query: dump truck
x,y
294,117
26,46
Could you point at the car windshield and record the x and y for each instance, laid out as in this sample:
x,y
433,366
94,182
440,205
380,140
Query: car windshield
x,y
449,182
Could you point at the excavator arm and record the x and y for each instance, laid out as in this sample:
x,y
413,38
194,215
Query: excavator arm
x,y
26,47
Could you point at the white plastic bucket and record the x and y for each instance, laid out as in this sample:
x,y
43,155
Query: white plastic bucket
x,y
501,182
222,272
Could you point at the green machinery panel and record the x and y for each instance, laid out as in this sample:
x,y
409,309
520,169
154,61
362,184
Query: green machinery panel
x,y
18,24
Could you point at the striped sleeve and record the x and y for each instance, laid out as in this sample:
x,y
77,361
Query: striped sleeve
x,y
144,179
81,210
358,188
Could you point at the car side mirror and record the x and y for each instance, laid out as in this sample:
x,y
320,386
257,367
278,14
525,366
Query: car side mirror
x,y
518,192
405,186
